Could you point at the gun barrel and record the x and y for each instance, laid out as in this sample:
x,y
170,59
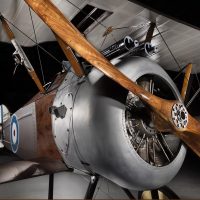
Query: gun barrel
x,y
120,47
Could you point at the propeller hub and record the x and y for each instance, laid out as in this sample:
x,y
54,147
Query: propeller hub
x,y
179,115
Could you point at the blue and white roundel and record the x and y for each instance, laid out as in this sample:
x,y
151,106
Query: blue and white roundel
x,y
14,133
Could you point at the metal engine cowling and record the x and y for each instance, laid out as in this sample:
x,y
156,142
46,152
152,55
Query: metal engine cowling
x,y
92,133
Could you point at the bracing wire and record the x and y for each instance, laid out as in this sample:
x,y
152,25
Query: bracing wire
x,y
103,41
180,72
36,43
86,14
48,53
176,61
192,99
197,77
181,69
53,57
195,94
98,22
38,52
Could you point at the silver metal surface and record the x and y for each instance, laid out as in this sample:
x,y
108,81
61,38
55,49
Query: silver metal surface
x,y
23,58
121,47
93,135
63,127
26,116
182,39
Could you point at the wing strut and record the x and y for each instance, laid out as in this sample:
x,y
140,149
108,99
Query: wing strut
x,y
78,70
150,31
186,80
19,51
172,113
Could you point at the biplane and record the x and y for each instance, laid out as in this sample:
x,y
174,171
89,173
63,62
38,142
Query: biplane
x,y
112,111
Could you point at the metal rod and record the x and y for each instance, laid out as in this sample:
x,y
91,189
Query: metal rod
x,y
128,193
150,31
19,50
92,186
140,142
147,149
166,144
163,150
193,97
154,152
51,184
135,137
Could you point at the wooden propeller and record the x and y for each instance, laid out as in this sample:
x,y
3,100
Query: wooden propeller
x,y
172,113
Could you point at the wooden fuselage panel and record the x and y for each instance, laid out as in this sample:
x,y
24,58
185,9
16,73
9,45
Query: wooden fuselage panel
x,y
35,127
46,146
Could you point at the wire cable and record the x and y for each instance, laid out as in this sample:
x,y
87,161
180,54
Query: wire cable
x,y
180,72
86,14
168,48
193,97
39,57
53,57
181,69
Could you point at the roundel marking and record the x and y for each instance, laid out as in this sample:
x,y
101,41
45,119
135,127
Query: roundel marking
x,y
14,133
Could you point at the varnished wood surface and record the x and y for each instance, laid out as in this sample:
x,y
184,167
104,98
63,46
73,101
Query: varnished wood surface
x,y
37,81
46,146
54,85
6,28
186,80
71,36
71,57
31,72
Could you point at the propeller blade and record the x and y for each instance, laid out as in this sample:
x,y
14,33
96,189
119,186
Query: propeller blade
x,y
173,113
191,136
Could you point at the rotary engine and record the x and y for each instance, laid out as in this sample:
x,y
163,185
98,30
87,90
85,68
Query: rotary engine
x,y
103,129
100,127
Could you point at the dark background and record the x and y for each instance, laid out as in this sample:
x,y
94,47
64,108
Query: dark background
x,y
186,12
17,89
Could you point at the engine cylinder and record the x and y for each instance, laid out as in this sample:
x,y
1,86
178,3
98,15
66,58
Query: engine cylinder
x,y
93,136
